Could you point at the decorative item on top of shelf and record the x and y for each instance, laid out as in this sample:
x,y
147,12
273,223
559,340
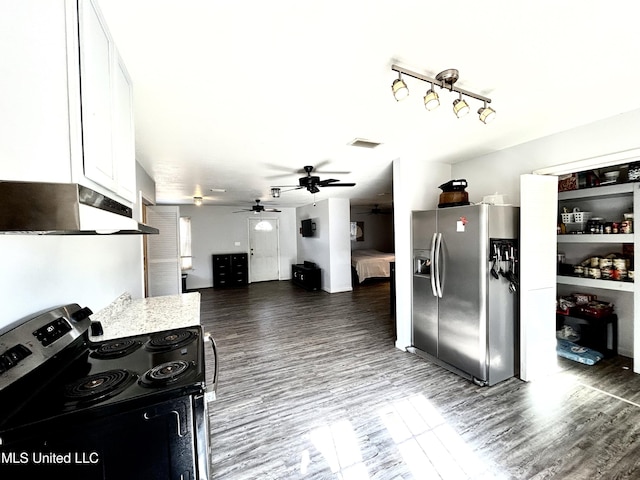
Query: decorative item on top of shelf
x,y
610,177
453,193
634,172
579,180
568,182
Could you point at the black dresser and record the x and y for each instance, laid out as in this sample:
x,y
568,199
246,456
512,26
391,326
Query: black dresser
x,y
230,270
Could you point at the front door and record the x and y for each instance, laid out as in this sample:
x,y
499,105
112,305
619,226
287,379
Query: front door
x,y
264,253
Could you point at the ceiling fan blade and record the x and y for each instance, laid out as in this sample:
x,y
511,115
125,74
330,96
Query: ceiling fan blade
x,y
293,187
340,185
317,169
272,210
324,183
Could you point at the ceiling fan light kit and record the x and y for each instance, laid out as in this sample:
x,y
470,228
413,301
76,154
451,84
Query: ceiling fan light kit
x,y
445,80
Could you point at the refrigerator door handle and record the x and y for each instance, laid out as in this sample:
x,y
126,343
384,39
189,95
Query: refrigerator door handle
x,y
437,272
433,266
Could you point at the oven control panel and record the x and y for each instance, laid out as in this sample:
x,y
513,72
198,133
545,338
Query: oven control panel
x,y
52,331
30,342
11,357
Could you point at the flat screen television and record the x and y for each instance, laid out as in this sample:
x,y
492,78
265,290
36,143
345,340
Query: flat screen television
x,y
308,228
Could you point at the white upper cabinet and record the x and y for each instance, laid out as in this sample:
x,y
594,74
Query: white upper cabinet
x,y
107,125
66,115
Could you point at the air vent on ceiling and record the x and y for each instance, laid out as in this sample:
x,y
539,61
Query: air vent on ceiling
x,y
360,142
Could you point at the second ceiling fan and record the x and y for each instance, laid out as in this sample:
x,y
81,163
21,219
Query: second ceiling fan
x,y
258,208
313,182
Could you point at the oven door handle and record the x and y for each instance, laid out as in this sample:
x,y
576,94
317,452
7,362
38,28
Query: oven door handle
x,y
211,389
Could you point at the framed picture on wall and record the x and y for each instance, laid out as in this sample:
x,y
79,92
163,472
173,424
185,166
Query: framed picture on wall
x,y
357,231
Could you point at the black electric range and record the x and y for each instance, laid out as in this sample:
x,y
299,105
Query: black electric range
x,y
134,407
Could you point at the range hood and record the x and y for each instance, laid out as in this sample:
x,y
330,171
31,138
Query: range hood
x,y
43,208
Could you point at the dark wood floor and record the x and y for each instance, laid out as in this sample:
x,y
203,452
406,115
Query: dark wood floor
x,y
312,386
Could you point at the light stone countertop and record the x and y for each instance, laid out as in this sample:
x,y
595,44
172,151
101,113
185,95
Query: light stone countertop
x,y
125,317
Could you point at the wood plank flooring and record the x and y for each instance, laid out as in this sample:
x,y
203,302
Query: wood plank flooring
x,y
311,386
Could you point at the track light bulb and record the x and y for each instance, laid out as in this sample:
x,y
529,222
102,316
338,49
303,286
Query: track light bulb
x,y
460,107
399,88
431,99
487,114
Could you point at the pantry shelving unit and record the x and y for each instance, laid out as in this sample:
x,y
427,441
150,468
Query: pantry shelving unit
x,y
610,202
612,199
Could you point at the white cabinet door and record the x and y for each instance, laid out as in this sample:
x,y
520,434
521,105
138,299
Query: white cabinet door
x,y
538,213
107,107
124,155
95,90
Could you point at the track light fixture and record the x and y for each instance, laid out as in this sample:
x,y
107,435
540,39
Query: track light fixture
x,y
460,107
431,99
399,88
444,80
197,201
275,192
487,114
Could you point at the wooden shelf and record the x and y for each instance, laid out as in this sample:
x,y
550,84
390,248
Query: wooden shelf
x,y
592,238
594,283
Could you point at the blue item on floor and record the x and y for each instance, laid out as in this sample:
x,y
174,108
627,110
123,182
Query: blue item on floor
x,y
577,353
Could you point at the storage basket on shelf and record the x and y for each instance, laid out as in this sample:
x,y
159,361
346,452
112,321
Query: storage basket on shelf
x,y
581,217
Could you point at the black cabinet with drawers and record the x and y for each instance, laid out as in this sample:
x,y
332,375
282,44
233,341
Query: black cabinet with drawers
x,y
306,275
230,270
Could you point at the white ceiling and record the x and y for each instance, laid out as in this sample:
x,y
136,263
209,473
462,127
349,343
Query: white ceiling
x,y
242,94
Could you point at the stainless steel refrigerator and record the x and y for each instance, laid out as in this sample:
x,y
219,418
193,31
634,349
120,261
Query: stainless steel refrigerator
x,y
465,290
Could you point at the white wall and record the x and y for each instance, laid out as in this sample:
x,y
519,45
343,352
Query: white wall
x,y
415,187
217,229
500,172
339,246
329,248
40,272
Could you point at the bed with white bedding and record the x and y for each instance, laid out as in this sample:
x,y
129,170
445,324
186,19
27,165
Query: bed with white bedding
x,y
371,263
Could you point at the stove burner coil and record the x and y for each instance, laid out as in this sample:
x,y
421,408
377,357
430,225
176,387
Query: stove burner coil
x,y
165,373
169,340
99,386
116,349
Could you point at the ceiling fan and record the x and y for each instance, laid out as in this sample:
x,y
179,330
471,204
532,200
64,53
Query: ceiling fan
x,y
257,208
377,211
312,182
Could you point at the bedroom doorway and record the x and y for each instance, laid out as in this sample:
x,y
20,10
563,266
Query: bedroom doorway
x,y
264,250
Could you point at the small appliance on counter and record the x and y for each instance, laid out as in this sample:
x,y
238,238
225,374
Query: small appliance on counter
x,y
453,194
127,408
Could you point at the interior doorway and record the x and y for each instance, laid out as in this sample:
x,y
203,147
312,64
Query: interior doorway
x,y
264,250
